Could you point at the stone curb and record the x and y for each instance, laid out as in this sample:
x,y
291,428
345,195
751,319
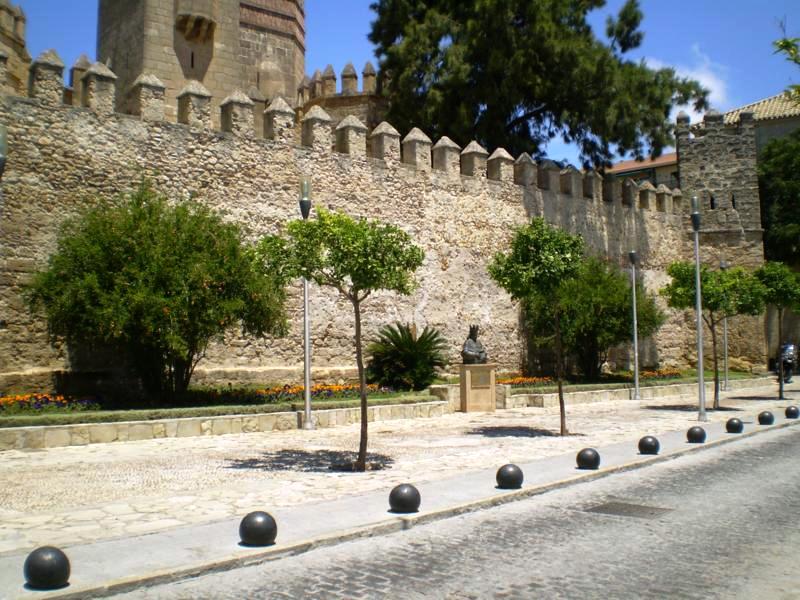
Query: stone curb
x,y
388,526
83,434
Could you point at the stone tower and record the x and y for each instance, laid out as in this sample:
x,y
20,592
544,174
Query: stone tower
x,y
257,46
12,44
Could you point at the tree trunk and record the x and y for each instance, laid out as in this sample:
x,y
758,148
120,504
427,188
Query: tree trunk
x,y
716,362
361,461
780,358
560,375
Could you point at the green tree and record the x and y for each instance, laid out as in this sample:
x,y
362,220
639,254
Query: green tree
x,y
356,258
779,188
725,294
157,282
403,360
517,73
790,48
540,260
782,290
598,305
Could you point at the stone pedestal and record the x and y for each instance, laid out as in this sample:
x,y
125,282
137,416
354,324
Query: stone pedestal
x,y
477,388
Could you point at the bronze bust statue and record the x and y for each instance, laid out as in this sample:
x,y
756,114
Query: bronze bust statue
x,y
473,352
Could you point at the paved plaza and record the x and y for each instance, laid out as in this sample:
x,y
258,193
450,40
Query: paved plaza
x,y
76,495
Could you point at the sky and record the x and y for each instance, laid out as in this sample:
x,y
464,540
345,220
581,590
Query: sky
x,y
725,44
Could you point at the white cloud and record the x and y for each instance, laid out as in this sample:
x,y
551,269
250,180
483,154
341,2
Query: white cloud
x,y
712,76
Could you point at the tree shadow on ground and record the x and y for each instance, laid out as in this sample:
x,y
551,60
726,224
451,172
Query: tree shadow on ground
x,y
318,461
516,431
755,398
689,408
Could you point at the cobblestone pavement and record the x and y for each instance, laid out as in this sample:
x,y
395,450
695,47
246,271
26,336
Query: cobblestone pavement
x,y
83,494
727,530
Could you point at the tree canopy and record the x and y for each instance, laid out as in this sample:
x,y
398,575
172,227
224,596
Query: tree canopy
x,y
541,259
156,281
725,294
356,257
517,73
779,188
781,290
598,307
790,48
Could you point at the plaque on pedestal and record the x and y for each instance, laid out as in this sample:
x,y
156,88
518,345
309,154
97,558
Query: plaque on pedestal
x,y
477,388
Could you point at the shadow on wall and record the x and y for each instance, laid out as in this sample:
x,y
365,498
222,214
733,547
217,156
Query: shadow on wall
x,y
97,370
194,57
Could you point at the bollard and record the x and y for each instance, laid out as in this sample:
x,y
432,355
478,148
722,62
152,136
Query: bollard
x,y
404,498
792,412
46,568
258,529
696,435
649,445
509,477
734,425
588,458
765,418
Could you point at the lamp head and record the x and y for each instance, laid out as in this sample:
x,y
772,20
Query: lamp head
x,y
632,257
724,265
695,214
305,197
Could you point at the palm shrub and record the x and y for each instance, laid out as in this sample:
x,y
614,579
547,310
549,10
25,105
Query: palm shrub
x,y
402,360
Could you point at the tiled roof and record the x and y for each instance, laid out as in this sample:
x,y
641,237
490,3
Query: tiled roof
x,y
774,107
637,165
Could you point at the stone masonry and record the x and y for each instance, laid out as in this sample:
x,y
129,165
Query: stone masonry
x,y
460,211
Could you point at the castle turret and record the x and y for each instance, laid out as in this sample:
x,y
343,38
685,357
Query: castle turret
x,y
223,44
12,43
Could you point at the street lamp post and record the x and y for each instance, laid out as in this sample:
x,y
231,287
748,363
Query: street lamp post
x,y
723,265
701,384
305,211
632,258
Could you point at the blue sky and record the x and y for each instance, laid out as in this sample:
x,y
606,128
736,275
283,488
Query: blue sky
x,y
726,44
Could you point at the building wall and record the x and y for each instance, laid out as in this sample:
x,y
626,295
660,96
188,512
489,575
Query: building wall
x,y
60,157
718,165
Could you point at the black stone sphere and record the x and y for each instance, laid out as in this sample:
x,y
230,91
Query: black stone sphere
x,y
696,435
258,529
509,477
765,418
792,412
46,568
404,498
734,425
649,445
588,458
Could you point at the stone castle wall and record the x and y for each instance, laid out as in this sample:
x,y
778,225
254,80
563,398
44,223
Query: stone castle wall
x,y
461,206
717,164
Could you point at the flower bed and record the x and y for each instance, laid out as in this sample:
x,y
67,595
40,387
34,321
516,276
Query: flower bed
x,y
524,381
36,403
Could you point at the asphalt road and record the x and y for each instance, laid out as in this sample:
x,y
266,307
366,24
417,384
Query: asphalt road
x,y
722,523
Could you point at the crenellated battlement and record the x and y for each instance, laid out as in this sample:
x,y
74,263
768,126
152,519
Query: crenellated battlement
x,y
323,84
96,87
